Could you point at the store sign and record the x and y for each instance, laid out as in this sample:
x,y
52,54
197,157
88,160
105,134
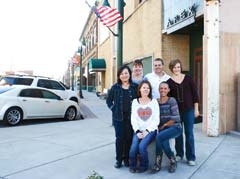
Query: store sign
x,y
184,18
185,14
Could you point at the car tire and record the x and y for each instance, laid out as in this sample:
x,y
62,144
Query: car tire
x,y
13,116
70,114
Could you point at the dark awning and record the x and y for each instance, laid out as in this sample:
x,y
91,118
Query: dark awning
x,y
97,64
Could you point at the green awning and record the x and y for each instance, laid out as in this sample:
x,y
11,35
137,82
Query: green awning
x,y
97,64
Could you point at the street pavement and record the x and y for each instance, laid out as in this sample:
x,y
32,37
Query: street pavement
x,y
75,149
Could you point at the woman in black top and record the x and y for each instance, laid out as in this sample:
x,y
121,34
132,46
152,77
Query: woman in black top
x,y
183,88
119,100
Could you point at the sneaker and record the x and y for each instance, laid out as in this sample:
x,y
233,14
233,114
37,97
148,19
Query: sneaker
x,y
191,163
178,158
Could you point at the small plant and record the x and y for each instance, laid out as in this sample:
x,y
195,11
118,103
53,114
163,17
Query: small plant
x,y
95,175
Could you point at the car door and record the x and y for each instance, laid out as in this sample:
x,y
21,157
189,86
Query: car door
x,y
55,103
54,86
32,103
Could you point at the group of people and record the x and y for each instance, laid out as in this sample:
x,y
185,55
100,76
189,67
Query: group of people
x,y
153,107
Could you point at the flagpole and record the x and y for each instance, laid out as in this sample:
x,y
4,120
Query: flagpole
x,y
120,34
114,34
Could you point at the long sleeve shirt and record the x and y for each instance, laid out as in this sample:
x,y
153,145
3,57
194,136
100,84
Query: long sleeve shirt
x,y
169,111
145,116
185,93
115,99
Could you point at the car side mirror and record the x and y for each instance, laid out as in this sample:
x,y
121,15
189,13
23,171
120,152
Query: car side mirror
x,y
67,87
60,98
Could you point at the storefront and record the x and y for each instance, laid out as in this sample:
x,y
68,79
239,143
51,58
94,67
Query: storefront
x,y
199,33
183,33
96,68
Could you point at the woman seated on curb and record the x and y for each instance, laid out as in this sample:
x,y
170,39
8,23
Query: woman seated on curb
x,y
169,127
144,120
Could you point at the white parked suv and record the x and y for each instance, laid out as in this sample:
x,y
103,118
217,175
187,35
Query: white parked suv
x,y
44,82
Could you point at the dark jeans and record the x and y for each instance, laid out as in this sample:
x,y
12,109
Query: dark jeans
x,y
162,140
139,146
187,118
123,134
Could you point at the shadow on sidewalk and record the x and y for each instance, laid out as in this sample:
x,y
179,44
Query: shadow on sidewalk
x,y
86,113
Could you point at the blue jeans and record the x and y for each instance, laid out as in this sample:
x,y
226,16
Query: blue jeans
x,y
139,146
162,140
187,118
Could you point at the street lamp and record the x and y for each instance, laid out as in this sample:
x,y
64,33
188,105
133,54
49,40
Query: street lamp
x,y
80,51
72,71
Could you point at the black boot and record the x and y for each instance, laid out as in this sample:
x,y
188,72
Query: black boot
x,y
158,163
118,164
173,165
126,162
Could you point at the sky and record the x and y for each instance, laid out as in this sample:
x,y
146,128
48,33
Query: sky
x,y
40,35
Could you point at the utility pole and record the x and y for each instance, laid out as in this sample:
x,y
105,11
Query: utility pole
x,y
72,73
120,34
80,51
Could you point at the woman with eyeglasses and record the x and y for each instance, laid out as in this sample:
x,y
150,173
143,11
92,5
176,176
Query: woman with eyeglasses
x,y
184,90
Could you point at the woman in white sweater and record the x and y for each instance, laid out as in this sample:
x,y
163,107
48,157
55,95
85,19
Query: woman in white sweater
x,y
145,121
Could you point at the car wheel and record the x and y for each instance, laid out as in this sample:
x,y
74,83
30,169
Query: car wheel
x,y
70,114
13,116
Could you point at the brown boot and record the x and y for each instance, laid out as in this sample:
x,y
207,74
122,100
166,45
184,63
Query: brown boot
x,y
157,166
173,165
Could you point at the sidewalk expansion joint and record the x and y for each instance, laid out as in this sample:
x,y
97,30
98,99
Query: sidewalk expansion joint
x,y
200,166
53,161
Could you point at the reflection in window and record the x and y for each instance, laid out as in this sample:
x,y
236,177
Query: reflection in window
x,y
49,84
49,95
31,93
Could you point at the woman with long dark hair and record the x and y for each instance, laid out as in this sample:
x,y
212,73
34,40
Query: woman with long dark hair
x,y
119,101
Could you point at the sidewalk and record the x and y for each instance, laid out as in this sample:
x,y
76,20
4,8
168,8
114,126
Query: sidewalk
x,y
74,149
217,157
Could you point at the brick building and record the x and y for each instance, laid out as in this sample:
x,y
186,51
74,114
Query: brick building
x,y
204,34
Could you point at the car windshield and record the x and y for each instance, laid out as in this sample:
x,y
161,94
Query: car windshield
x,y
67,87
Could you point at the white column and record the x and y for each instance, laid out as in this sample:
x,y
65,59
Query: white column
x,y
211,73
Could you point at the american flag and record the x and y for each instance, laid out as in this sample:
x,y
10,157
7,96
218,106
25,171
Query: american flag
x,y
75,60
108,16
